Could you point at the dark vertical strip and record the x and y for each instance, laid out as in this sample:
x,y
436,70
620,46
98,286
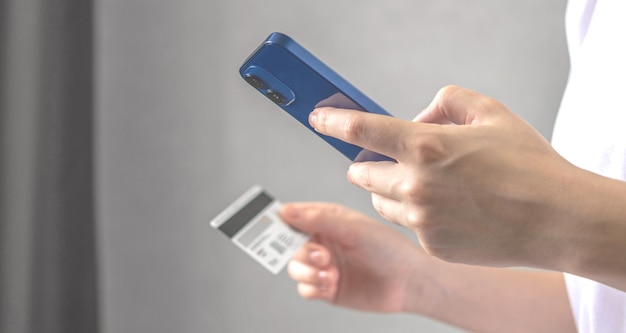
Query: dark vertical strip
x,y
3,64
3,215
65,293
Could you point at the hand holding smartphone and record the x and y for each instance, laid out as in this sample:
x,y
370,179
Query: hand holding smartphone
x,y
298,82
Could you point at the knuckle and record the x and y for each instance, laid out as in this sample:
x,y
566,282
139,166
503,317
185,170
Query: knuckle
x,y
486,104
407,188
415,191
353,128
426,148
334,209
447,92
416,218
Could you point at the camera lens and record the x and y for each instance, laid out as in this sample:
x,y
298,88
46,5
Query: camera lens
x,y
275,97
254,81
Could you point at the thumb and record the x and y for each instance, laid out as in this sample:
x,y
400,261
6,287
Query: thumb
x,y
327,219
455,105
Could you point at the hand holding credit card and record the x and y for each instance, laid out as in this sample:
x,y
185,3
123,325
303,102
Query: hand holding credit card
x,y
253,224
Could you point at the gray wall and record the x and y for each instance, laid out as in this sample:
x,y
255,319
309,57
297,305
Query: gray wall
x,y
180,135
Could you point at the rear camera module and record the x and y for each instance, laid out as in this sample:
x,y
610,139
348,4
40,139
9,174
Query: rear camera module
x,y
254,81
275,97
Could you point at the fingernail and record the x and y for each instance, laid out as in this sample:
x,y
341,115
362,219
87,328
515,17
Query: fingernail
x,y
349,175
324,280
313,118
316,258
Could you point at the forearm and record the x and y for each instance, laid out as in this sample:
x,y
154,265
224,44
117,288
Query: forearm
x,y
594,234
493,300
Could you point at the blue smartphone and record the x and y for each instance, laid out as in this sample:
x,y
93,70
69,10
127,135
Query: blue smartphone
x,y
295,80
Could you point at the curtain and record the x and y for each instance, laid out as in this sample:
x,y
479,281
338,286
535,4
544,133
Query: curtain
x,y
48,267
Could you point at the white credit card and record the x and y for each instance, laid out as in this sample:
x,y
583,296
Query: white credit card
x,y
253,223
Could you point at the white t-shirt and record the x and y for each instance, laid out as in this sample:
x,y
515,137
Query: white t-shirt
x,y
590,132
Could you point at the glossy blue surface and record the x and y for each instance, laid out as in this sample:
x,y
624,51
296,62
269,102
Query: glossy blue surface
x,y
298,82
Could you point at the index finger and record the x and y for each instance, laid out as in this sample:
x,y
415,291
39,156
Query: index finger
x,y
378,133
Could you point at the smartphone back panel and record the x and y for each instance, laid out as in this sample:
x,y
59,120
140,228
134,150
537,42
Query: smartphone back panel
x,y
298,82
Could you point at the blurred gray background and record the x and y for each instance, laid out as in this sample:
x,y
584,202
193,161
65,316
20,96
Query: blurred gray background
x,y
180,135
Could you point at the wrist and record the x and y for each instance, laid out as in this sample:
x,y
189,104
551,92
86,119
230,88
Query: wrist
x,y
598,234
586,234
422,287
